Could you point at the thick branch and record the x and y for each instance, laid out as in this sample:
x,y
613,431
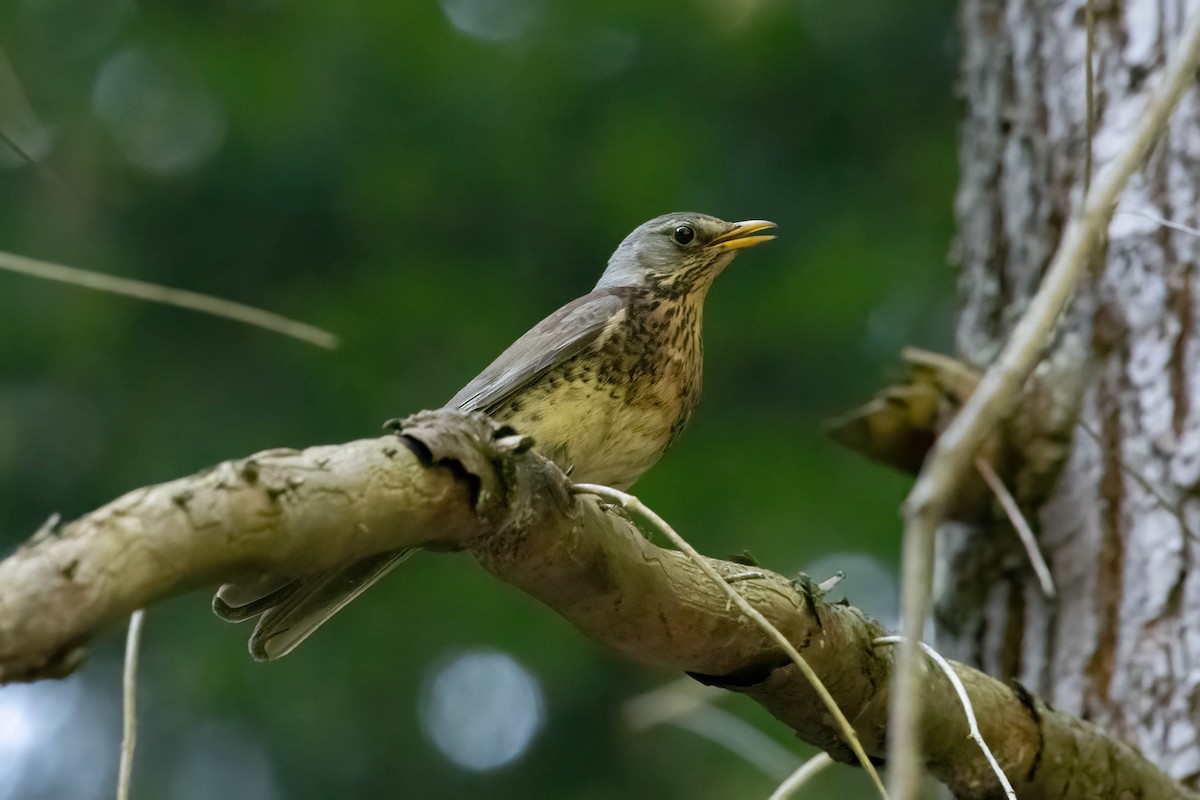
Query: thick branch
x,y
282,511
454,482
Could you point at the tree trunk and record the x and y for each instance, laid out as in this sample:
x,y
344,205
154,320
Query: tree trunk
x,y
1120,528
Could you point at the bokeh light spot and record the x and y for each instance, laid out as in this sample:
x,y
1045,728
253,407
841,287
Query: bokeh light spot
x,y
482,709
162,122
57,739
493,20
16,725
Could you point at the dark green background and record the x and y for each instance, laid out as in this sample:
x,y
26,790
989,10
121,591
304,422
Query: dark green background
x,y
428,195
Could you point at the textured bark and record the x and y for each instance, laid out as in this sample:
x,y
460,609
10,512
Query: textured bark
x,y
1121,645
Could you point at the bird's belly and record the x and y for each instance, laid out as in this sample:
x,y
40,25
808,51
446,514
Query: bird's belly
x,y
598,437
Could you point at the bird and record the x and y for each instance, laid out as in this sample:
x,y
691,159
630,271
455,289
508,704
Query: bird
x,y
602,386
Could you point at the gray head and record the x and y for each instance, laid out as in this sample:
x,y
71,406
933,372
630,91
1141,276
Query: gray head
x,y
680,252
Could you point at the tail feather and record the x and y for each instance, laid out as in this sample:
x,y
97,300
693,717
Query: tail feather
x,y
238,602
291,612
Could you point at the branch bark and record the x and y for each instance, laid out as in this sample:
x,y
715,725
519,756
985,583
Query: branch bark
x,y
449,482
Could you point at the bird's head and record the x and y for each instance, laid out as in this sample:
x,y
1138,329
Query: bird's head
x,y
680,252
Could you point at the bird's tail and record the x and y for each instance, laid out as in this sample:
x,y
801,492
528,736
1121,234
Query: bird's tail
x,y
292,609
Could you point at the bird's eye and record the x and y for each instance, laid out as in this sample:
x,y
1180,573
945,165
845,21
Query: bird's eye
x,y
683,234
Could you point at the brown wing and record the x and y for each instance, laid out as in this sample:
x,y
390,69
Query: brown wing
x,y
292,610
557,338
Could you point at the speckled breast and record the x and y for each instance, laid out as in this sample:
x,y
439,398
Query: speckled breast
x,y
609,413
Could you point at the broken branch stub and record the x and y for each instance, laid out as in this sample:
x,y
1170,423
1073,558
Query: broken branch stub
x,y
899,425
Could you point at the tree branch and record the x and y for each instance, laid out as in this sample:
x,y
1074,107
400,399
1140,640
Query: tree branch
x,y
291,512
454,482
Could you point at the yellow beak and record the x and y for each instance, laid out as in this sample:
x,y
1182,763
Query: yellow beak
x,y
741,235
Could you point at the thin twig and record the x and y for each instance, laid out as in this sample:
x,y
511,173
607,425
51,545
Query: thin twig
x,y
16,148
1166,223
740,738
133,643
972,725
1020,525
832,581
690,706
17,103
801,776
70,200
748,575
951,456
662,704
635,506
181,298
46,529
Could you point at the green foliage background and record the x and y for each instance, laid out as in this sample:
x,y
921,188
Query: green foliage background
x,y
428,195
